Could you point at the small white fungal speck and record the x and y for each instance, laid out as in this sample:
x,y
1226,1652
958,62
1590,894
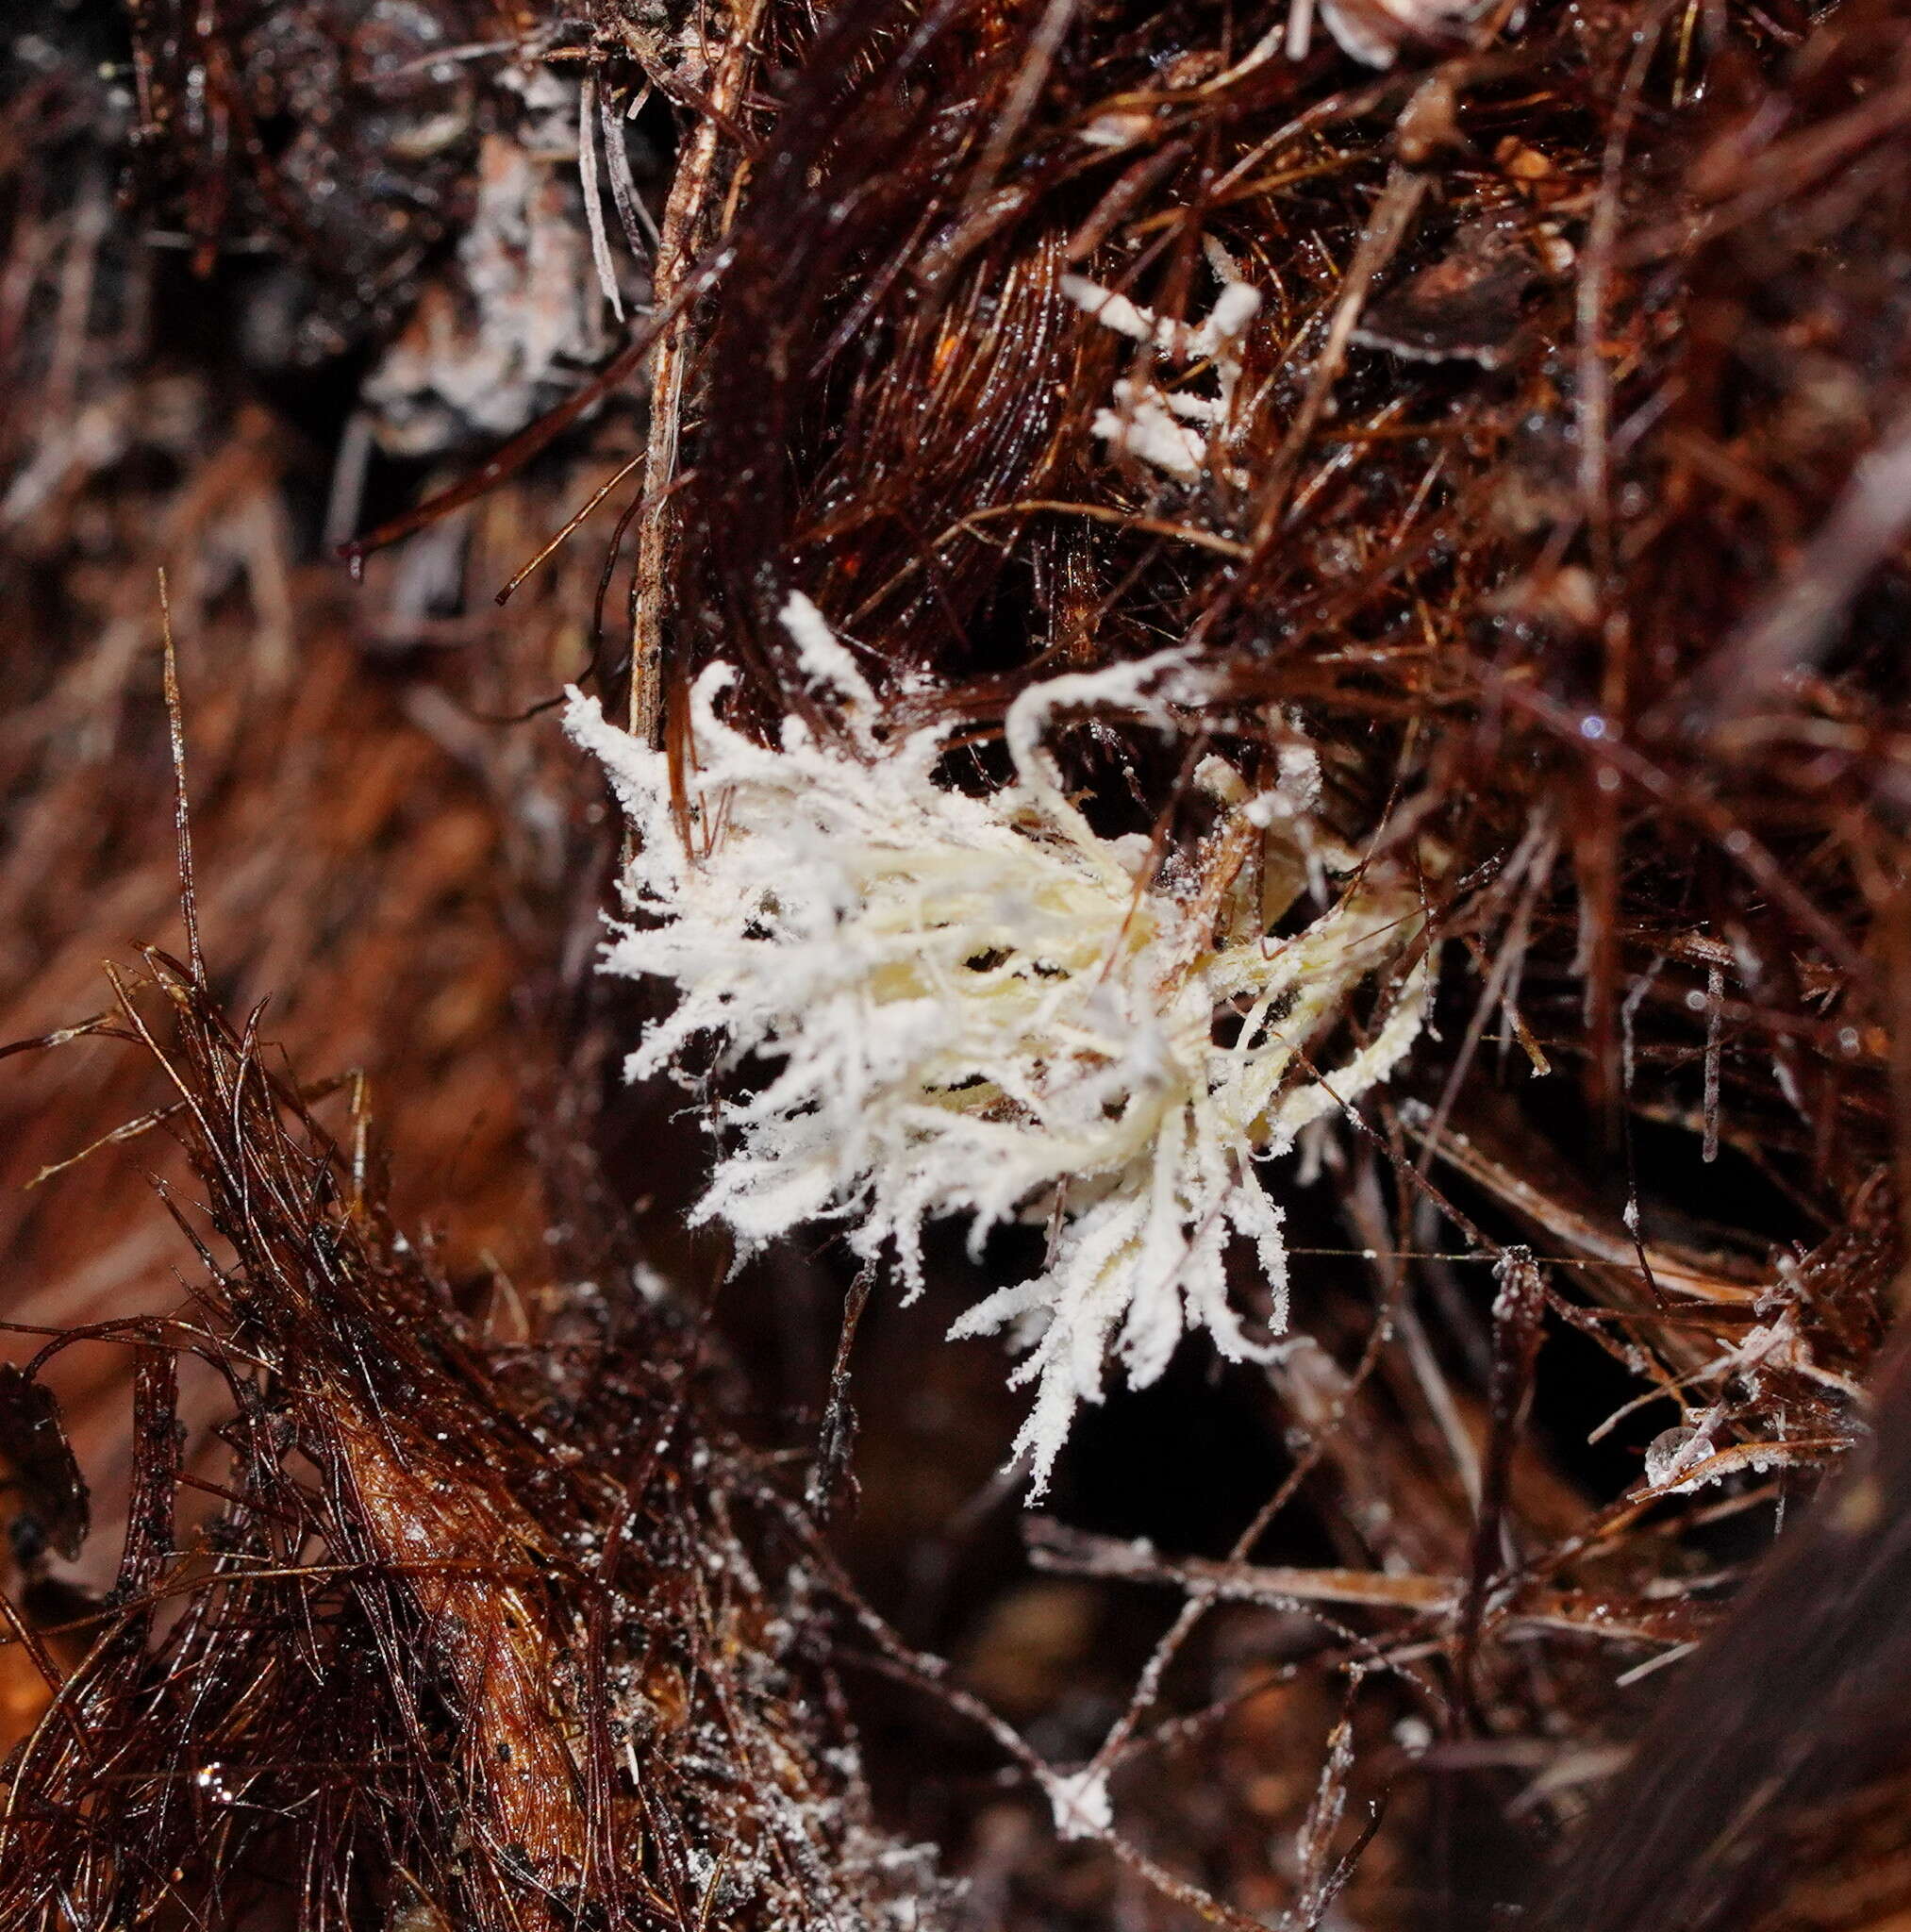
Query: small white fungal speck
x,y
978,1007
1080,1803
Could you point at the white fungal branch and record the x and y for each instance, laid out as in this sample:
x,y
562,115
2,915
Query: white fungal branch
x,y
980,1008
1174,429
1378,31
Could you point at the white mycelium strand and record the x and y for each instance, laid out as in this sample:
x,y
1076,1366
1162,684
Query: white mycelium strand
x,y
1159,425
1378,31
979,1007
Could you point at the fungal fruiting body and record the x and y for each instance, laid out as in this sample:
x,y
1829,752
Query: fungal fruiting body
x,y
1379,31
1171,428
977,1006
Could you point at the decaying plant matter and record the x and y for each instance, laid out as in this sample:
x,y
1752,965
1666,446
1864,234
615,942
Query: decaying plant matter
x,y
465,1633
1506,409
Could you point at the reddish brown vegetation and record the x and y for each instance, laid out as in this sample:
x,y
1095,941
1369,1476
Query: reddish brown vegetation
x,y
1564,501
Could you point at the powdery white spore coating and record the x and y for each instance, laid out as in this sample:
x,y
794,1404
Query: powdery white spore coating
x,y
977,1006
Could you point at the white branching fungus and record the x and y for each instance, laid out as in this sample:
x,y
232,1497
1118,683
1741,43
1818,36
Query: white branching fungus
x,y
1377,31
1170,429
979,1007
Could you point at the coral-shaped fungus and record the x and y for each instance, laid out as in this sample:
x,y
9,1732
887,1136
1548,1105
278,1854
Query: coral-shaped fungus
x,y
978,1005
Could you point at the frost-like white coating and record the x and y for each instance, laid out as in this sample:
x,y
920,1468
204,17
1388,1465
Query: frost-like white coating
x,y
977,1006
